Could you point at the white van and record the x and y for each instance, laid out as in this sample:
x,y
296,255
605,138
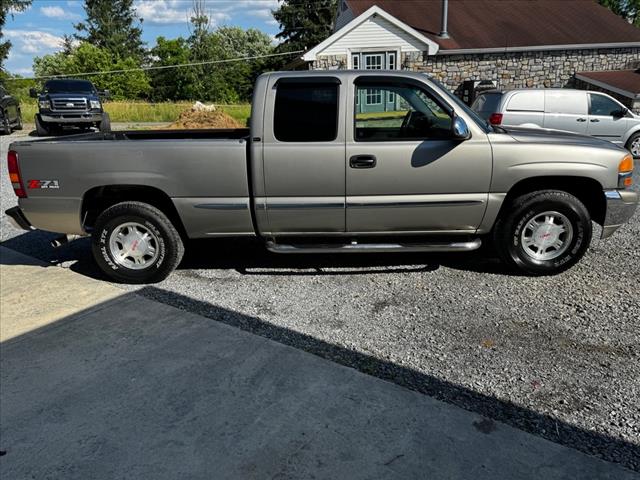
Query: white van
x,y
589,113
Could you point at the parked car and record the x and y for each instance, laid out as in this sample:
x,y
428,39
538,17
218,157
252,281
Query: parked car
x,y
10,115
319,172
69,103
589,113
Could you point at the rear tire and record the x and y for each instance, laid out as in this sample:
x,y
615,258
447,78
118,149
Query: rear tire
x,y
543,233
633,145
6,126
42,129
134,242
105,124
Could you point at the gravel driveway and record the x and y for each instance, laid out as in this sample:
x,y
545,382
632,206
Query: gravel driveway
x,y
556,356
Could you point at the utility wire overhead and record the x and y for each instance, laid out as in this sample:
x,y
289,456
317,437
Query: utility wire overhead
x,y
157,67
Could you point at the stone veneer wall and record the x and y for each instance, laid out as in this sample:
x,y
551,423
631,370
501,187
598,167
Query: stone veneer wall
x,y
329,62
522,69
509,69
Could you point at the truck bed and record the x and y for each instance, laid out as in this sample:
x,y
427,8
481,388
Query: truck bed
x,y
203,172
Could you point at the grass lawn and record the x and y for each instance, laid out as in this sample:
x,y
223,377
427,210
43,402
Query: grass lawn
x,y
133,112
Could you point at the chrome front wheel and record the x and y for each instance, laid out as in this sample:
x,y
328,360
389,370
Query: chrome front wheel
x,y
546,236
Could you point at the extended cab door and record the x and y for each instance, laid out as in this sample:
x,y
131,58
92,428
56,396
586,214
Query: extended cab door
x,y
607,118
304,157
405,172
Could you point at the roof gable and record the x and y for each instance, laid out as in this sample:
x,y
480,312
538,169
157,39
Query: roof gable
x,y
378,16
509,24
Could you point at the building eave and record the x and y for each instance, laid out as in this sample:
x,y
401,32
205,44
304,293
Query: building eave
x,y
606,86
537,48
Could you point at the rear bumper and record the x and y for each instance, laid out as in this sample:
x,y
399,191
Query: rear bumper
x,y
621,205
73,118
17,219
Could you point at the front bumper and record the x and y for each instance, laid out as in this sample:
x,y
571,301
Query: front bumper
x,y
621,205
77,117
17,219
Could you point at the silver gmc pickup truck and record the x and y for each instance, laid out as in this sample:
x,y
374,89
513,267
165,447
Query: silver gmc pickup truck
x,y
340,161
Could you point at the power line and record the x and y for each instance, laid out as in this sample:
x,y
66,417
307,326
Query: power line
x,y
157,67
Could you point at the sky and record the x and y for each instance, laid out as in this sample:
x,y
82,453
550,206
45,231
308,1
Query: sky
x,y
38,31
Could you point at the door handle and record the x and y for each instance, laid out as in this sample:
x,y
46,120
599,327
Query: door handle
x,y
362,161
594,120
581,120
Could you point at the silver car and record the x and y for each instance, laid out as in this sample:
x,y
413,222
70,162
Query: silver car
x,y
589,113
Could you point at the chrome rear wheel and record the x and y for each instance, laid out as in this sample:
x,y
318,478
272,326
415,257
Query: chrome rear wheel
x,y
133,246
634,147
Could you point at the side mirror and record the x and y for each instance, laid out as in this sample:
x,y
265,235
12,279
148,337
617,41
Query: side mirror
x,y
460,129
33,93
104,93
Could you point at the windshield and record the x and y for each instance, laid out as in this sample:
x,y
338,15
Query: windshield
x,y
68,86
480,121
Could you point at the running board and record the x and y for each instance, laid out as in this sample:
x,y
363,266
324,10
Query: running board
x,y
355,247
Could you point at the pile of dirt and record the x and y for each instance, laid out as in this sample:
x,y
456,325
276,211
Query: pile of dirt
x,y
196,118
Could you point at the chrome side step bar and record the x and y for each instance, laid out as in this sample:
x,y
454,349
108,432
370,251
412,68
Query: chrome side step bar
x,y
355,247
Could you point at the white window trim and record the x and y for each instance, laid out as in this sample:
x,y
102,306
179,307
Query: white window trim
x,y
384,50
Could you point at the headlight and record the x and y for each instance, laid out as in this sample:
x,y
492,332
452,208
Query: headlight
x,y
44,104
95,104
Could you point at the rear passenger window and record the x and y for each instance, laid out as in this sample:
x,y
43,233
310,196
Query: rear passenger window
x,y
526,102
306,112
568,102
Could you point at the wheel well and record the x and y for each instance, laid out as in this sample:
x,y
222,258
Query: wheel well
x,y
587,190
98,199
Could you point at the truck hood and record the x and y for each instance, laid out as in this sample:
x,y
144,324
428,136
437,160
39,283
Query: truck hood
x,y
545,135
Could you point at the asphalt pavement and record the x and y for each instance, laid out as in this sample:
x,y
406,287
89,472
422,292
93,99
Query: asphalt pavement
x,y
555,356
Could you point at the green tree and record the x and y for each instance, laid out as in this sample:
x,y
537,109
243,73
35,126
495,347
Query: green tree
x,y
225,82
171,83
112,25
304,23
234,42
7,7
90,58
627,9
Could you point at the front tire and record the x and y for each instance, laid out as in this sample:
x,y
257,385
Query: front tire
x,y
544,232
42,129
134,242
105,124
19,125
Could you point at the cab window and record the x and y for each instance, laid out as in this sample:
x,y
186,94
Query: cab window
x,y
395,112
306,112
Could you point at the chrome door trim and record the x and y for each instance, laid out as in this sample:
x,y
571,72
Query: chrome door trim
x,y
303,205
222,206
383,204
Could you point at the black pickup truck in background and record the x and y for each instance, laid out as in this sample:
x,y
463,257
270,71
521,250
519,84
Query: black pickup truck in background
x,y
10,116
69,103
